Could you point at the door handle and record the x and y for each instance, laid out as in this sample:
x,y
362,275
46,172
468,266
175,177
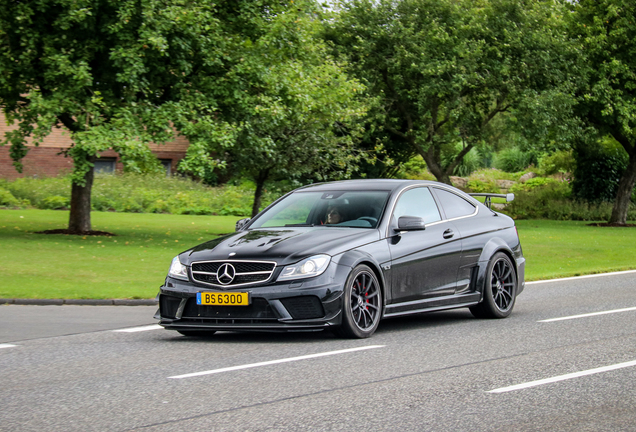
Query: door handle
x,y
448,233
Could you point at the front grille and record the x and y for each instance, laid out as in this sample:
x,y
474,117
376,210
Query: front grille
x,y
304,307
240,266
242,272
258,309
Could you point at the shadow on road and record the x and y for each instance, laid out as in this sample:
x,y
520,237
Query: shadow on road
x,y
401,324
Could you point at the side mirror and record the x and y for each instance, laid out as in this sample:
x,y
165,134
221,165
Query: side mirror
x,y
411,223
241,223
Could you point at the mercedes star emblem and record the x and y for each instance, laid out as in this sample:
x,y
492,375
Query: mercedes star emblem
x,y
225,274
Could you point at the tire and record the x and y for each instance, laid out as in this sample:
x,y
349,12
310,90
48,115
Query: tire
x,y
362,304
500,289
195,333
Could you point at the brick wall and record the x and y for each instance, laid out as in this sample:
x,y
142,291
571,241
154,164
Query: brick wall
x,y
45,160
40,162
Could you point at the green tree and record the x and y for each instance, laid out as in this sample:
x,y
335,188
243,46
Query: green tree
x,y
444,69
121,73
606,32
297,117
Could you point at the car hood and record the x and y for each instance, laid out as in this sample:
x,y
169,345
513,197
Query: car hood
x,y
283,245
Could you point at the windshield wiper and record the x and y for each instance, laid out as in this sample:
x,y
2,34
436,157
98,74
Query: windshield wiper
x,y
300,225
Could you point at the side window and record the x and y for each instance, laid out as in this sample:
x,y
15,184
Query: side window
x,y
417,202
454,206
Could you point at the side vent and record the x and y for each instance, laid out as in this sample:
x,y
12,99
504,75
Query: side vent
x,y
474,273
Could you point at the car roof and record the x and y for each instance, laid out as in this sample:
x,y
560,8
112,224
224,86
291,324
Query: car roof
x,y
368,184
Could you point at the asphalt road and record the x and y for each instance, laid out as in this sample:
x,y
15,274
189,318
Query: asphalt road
x,y
64,368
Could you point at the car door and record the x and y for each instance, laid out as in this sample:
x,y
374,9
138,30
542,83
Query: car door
x,y
463,214
424,262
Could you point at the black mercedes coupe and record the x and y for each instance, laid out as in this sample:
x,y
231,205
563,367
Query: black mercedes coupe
x,y
344,255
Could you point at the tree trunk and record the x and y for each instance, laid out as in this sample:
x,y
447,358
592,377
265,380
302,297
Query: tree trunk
x,y
80,217
625,189
260,183
434,165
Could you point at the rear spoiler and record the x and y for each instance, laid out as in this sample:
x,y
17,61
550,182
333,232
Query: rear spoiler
x,y
508,197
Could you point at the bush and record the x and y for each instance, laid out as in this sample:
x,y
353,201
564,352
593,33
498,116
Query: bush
x,y
483,186
138,193
8,200
471,161
55,202
533,183
415,169
553,200
558,162
488,174
513,160
485,180
36,190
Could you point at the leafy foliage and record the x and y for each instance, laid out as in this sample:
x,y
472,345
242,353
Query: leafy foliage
x,y
598,171
561,161
8,200
414,169
513,160
443,69
606,32
553,201
116,74
483,186
123,73
296,119
134,193
471,161
534,183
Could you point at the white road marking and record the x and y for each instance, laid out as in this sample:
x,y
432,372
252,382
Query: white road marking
x,y
589,314
7,346
267,363
581,277
139,329
563,377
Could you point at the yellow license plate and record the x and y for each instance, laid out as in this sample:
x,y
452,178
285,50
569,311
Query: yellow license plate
x,y
223,299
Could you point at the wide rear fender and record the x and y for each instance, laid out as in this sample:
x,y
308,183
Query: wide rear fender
x,y
498,244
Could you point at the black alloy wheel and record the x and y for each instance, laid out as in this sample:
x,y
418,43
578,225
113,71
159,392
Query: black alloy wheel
x,y
362,304
500,289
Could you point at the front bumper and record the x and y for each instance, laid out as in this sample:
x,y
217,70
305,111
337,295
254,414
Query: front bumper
x,y
304,305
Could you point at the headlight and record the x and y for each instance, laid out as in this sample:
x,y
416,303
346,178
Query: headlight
x,y
178,270
309,267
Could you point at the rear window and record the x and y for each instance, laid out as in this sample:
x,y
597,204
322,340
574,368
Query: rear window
x,y
454,206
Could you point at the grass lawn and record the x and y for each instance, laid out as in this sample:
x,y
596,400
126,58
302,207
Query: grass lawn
x,y
131,265
556,249
134,263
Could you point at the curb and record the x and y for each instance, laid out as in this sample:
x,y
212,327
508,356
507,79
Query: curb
x,y
80,302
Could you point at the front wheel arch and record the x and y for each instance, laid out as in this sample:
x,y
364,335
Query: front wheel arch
x,y
353,259
362,304
380,277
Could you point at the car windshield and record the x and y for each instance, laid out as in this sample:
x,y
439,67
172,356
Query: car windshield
x,y
359,209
